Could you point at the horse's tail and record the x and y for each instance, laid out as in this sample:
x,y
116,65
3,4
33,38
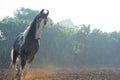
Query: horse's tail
x,y
12,55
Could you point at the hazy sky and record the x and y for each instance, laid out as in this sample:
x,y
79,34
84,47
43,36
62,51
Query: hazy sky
x,y
101,14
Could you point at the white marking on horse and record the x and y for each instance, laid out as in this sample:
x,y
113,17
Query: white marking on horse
x,y
39,29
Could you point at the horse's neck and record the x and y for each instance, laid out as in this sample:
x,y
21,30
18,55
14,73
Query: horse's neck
x,y
25,33
29,32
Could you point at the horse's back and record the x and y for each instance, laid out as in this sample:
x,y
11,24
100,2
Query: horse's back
x,y
18,42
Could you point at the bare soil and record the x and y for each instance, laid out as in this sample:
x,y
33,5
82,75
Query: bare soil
x,y
67,74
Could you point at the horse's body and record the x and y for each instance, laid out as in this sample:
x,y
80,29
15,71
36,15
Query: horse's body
x,y
27,44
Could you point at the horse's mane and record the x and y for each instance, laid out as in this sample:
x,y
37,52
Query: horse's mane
x,y
27,30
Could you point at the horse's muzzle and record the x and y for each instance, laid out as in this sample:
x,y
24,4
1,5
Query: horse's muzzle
x,y
37,37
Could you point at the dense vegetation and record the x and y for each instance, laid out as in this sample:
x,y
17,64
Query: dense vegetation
x,y
60,45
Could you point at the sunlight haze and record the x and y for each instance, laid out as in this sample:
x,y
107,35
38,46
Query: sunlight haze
x,y
100,14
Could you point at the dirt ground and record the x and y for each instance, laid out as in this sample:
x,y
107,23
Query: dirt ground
x,y
67,74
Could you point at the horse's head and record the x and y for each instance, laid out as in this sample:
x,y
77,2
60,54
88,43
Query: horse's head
x,y
41,20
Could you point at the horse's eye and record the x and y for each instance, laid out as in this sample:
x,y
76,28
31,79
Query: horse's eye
x,y
45,22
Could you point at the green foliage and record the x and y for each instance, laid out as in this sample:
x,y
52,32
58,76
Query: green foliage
x,y
25,13
62,46
2,37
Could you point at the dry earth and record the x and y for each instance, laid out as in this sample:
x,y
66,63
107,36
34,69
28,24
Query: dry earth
x,y
67,74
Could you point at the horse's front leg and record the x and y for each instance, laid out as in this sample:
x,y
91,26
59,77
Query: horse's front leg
x,y
25,70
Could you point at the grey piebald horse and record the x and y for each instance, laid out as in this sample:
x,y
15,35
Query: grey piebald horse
x,y
26,45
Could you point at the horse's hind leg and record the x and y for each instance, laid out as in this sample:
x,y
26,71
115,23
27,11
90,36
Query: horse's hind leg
x,y
14,56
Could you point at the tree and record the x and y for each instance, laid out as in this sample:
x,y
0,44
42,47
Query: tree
x,y
2,37
25,13
62,46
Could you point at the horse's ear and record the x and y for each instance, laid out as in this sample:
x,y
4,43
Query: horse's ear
x,y
41,11
47,12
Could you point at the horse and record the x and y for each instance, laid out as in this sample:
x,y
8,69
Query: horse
x,y
26,45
